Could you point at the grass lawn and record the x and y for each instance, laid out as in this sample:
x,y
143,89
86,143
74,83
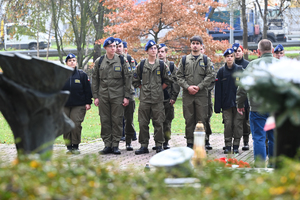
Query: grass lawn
x,y
91,125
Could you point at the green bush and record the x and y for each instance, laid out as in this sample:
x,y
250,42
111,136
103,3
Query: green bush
x,y
87,178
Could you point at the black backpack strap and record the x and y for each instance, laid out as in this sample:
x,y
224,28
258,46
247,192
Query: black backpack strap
x,y
172,66
183,63
205,60
141,68
161,65
129,58
100,61
122,59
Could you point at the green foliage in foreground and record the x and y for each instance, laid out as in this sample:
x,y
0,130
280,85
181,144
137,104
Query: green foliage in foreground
x,y
87,178
91,126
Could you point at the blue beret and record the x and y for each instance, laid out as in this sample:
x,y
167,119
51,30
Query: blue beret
x,y
228,51
70,55
235,46
124,44
108,41
161,45
278,48
149,44
118,41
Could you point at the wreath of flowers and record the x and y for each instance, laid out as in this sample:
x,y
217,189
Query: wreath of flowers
x,y
230,162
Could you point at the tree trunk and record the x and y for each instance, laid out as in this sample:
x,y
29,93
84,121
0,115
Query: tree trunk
x,y
265,25
245,28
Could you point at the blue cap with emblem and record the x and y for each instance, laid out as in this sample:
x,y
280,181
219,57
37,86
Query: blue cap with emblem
x,y
235,46
161,45
278,48
108,41
228,51
118,41
149,44
124,44
70,55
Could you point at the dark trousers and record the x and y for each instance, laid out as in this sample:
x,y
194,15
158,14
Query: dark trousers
x,y
233,126
169,116
76,114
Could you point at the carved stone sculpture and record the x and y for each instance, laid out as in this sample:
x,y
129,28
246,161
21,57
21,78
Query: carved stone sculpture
x,y
32,102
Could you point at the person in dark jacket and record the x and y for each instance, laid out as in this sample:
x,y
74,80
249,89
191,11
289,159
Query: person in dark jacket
x,y
225,97
79,102
239,60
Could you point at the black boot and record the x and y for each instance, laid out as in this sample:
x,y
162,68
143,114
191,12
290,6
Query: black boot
x,y
245,147
227,150
207,145
106,150
190,145
224,148
153,148
235,149
166,145
69,149
159,149
129,147
116,150
75,149
141,150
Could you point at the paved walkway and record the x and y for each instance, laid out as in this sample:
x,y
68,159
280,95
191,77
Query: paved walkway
x,y
127,158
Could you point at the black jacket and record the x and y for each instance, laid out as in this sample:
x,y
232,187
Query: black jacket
x,y
80,89
244,63
225,88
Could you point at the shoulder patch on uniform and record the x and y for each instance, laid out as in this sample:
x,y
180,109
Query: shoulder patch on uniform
x,y
117,68
169,73
135,75
127,61
132,60
77,81
133,67
129,68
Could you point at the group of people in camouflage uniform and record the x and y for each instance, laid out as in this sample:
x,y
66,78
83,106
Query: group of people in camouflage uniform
x,y
116,75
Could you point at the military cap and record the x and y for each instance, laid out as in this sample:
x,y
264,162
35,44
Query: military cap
x,y
228,51
124,44
196,38
235,46
278,48
149,44
118,41
161,45
70,55
108,41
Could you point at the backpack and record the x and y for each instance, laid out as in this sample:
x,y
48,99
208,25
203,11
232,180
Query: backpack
x,y
120,56
184,59
129,59
161,65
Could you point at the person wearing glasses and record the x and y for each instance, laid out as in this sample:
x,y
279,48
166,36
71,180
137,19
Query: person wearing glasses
x,y
79,101
111,91
152,76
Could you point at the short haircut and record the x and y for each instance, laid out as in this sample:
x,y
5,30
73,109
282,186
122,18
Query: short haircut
x,y
265,46
197,38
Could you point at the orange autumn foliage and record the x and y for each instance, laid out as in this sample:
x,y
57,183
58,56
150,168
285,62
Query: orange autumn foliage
x,y
171,22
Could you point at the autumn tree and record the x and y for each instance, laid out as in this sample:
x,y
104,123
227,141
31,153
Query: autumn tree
x,y
170,21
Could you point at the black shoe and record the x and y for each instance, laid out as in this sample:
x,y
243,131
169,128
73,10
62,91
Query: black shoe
x,y
153,148
106,150
227,150
129,147
134,137
159,149
69,149
75,149
123,138
245,147
190,145
141,150
166,145
235,149
116,150
207,145
224,148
